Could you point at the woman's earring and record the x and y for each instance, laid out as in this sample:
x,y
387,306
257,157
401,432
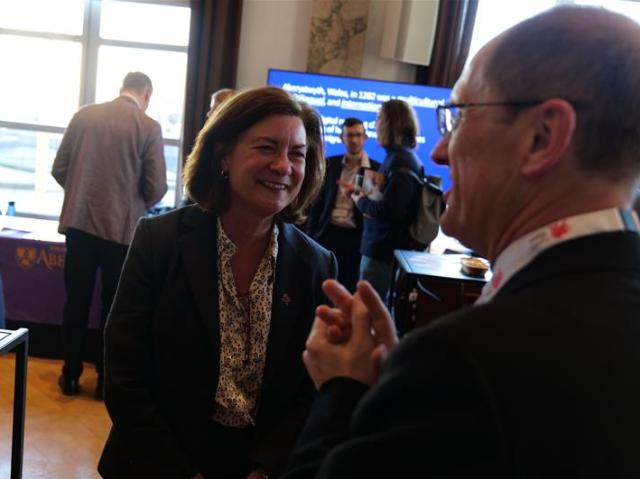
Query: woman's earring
x,y
224,174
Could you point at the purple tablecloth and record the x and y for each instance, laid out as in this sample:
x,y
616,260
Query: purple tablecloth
x,y
33,280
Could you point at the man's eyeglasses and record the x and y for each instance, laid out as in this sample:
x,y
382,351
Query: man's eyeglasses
x,y
448,115
352,135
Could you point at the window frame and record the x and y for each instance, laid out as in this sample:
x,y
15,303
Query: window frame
x,y
90,42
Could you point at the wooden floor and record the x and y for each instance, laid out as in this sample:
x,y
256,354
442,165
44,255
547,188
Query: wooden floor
x,y
64,435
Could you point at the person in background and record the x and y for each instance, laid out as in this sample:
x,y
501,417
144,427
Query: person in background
x,y
333,220
218,97
387,215
111,166
204,376
540,377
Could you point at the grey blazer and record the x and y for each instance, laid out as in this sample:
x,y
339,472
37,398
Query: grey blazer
x,y
111,166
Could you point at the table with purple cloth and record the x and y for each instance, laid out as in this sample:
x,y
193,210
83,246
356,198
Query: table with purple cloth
x,y
32,269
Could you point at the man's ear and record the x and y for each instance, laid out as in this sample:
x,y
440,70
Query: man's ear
x,y
554,128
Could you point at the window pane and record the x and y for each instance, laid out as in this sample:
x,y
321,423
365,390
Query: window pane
x,y
130,21
43,15
495,16
40,80
26,158
171,157
167,71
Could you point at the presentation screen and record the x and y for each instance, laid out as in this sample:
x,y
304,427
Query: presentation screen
x,y
337,98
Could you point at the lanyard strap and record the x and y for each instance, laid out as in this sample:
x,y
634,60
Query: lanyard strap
x,y
522,251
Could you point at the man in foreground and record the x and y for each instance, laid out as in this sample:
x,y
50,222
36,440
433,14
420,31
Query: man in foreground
x,y
111,166
539,379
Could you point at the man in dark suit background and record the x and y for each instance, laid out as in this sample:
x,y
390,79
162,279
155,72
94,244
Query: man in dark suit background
x,y
539,378
334,221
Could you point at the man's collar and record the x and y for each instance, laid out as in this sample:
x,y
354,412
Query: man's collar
x,y
364,160
525,249
135,100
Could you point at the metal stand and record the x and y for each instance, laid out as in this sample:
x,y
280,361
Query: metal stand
x,y
17,341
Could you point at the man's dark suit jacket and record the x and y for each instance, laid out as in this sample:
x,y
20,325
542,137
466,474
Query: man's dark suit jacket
x,y
162,348
543,381
320,214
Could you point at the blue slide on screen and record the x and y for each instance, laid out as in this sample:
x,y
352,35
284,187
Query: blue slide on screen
x,y
337,98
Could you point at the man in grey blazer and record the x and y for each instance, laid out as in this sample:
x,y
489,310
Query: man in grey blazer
x,y
112,168
539,379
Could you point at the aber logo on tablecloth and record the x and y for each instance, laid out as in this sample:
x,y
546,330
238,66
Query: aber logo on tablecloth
x,y
51,257
26,257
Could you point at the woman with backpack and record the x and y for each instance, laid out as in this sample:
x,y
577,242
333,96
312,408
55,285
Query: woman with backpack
x,y
388,216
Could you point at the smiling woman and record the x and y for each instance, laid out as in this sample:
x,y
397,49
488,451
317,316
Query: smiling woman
x,y
231,125
266,168
204,376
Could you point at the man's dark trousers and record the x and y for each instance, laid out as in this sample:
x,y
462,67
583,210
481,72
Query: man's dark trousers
x,y
86,254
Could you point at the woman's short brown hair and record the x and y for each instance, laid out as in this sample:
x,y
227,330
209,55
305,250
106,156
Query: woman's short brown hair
x,y
202,173
397,124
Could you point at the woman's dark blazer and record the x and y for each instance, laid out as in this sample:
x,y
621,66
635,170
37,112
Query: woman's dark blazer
x,y
163,344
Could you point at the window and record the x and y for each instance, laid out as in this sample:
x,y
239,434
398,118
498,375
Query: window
x,y
496,16
58,55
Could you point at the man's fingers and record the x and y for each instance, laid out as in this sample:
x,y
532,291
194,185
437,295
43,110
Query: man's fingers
x,y
333,317
381,321
378,357
308,364
338,324
337,335
317,337
318,331
371,299
338,295
360,319
330,315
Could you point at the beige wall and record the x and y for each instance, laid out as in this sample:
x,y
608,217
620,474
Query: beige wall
x,y
275,34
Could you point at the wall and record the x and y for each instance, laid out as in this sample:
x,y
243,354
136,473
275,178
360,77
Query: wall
x,y
275,34
373,65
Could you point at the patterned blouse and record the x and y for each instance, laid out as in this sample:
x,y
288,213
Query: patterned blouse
x,y
244,330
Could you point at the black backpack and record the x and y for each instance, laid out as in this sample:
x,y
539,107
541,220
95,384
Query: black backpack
x,y
425,226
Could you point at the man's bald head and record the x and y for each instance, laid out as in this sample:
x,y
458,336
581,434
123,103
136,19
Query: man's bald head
x,y
589,56
218,97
